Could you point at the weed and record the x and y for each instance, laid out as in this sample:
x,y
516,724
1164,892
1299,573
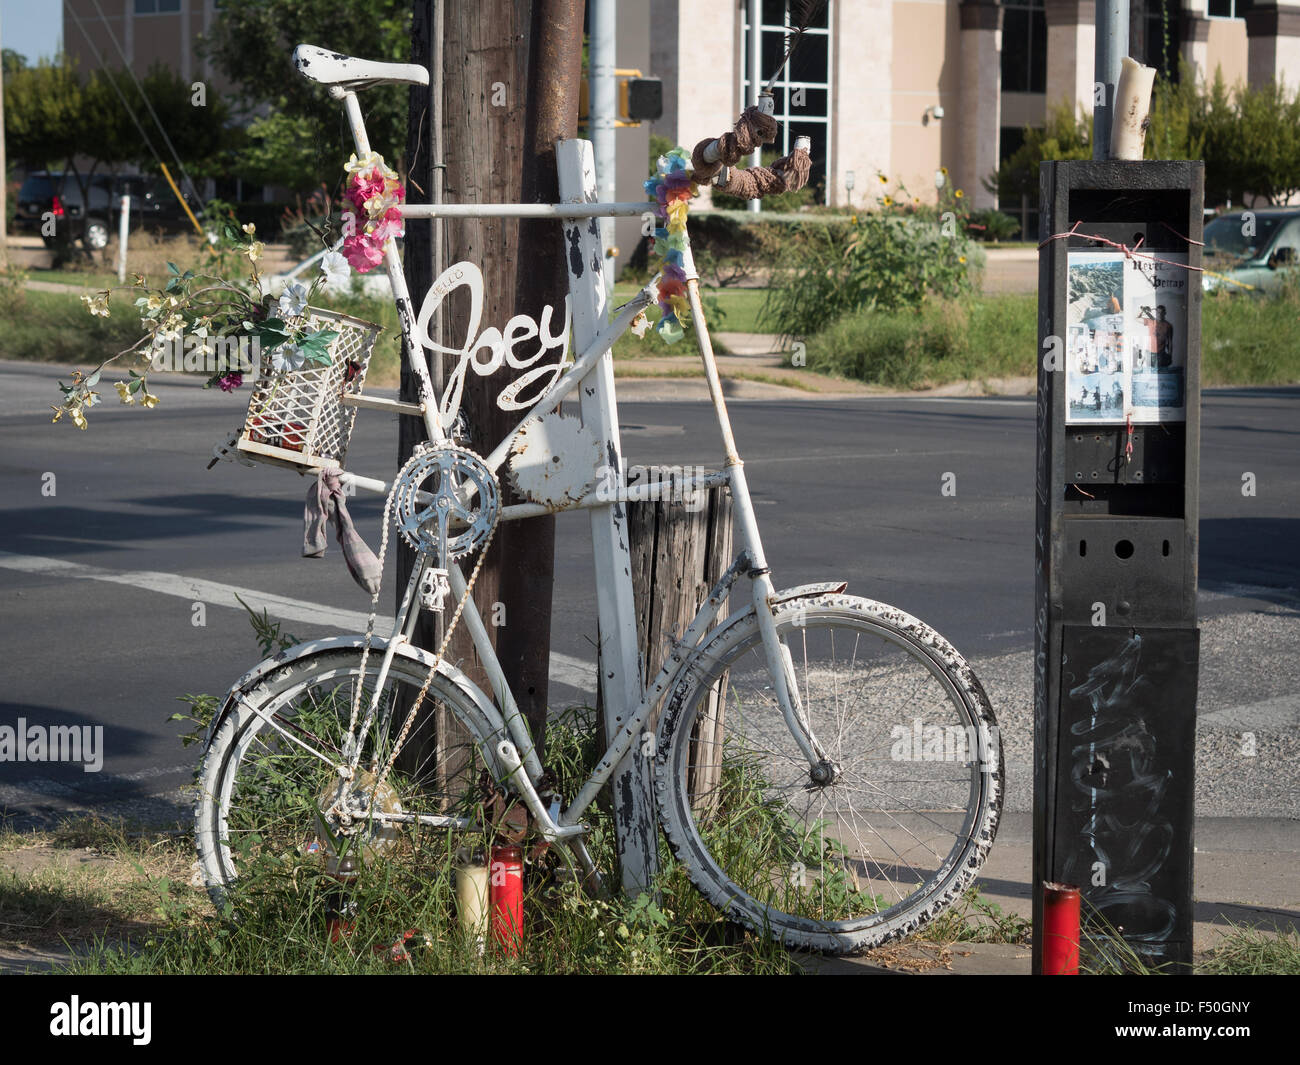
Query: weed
x,y
1254,951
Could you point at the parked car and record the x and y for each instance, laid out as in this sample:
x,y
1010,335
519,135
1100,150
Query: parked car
x,y
1259,248
91,224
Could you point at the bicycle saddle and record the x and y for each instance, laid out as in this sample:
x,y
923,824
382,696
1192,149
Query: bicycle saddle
x,y
335,68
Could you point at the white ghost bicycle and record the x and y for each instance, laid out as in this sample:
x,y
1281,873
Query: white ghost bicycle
x,y
777,768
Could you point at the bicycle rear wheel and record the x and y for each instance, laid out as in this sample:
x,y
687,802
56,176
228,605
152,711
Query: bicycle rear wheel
x,y
271,767
902,829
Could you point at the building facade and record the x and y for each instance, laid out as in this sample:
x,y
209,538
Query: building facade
x,y
899,88
905,87
139,33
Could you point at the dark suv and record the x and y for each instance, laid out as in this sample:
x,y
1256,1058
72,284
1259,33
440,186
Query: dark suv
x,y
59,195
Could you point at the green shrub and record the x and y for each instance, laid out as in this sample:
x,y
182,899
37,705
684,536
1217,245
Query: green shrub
x,y
987,224
881,260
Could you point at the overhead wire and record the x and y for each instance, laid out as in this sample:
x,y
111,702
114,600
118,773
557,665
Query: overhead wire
x,y
99,60
149,105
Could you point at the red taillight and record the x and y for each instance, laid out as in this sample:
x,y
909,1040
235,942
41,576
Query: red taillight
x,y
58,207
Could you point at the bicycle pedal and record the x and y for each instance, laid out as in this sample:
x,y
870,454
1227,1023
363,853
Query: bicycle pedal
x,y
434,589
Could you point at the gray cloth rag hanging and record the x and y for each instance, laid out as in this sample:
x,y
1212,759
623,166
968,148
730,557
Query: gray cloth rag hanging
x,y
325,501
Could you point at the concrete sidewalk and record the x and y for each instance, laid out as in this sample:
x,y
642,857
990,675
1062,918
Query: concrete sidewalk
x,y
1246,871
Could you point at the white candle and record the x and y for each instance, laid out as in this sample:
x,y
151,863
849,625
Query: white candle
x,y
1132,104
471,902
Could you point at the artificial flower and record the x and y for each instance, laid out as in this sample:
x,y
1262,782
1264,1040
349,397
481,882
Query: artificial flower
x,y
294,300
336,270
362,253
288,356
97,304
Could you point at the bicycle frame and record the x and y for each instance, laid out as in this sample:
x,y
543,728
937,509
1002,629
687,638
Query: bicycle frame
x,y
514,751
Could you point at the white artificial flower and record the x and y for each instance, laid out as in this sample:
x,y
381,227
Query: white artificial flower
x,y
336,269
294,300
288,356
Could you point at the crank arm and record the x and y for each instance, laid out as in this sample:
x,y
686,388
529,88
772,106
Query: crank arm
x,y
518,780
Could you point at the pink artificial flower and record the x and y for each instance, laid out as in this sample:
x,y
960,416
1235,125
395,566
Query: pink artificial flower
x,y
362,252
389,226
366,187
229,382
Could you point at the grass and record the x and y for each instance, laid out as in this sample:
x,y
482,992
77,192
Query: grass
x,y
161,924
977,920
91,279
54,327
86,879
734,310
1250,951
1250,340
994,336
1245,341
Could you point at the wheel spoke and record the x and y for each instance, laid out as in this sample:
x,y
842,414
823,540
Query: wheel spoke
x,y
874,843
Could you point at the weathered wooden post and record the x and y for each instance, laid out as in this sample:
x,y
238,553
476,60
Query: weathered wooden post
x,y
681,543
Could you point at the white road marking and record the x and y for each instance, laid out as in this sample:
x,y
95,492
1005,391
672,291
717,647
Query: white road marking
x,y
565,669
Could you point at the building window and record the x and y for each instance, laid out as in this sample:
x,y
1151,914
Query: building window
x,y
157,7
1024,209
1024,46
1154,35
802,94
1228,8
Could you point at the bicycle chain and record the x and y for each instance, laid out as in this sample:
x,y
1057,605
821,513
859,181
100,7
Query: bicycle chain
x,y
437,661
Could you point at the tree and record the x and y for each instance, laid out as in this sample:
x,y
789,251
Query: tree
x,y
1063,137
1247,136
43,109
53,116
294,127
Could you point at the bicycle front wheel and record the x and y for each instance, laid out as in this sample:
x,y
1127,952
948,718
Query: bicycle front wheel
x,y
272,767
900,830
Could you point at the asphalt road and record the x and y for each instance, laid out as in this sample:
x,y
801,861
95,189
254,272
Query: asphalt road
x,y
847,489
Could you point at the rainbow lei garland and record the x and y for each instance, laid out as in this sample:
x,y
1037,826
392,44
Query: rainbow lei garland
x,y
672,188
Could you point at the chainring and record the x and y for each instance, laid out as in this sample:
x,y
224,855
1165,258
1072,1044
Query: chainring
x,y
446,474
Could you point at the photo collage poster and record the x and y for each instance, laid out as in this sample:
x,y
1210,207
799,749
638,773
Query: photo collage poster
x,y
1126,343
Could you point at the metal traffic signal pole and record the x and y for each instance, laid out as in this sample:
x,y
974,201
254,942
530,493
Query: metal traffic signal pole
x,y
1112,47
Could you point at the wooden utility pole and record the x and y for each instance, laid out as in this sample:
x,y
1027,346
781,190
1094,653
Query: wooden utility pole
x,y
510,78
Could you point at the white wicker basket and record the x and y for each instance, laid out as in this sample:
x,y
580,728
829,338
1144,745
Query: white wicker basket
x,y
296,418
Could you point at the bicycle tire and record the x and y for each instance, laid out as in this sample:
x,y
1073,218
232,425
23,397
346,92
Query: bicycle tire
x,y
259,791
782,855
